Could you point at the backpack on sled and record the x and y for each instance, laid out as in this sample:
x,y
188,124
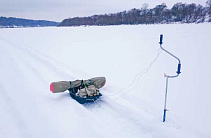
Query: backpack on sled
x,y
83,100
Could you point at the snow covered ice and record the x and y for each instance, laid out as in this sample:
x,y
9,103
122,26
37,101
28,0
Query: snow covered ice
x,y
32,58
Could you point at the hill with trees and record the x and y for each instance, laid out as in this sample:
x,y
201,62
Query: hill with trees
x,y
19,22
179,13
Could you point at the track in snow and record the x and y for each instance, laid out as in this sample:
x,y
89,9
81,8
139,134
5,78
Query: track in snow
x,y
31,110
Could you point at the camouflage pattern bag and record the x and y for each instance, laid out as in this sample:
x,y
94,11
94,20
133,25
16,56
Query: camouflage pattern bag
x,y
88,91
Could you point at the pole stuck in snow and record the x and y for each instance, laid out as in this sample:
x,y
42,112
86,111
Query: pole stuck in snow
x,y
167,76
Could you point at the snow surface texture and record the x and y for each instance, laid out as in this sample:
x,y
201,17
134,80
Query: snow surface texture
x,y
32,58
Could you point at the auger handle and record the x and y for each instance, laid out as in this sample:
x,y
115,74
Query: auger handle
x,y
161,39
179,68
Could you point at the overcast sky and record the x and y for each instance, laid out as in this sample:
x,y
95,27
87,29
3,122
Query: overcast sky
x,y
57,10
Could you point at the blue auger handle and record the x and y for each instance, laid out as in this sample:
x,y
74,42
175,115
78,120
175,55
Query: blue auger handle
x,y
161,39
164,115
179,68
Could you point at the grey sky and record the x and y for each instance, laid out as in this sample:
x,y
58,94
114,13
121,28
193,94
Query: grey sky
x,y
57,10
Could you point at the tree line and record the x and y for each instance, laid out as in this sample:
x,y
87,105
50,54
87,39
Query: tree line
x,y
180,12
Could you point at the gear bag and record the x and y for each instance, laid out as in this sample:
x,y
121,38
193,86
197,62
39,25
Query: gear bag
x,y
88,91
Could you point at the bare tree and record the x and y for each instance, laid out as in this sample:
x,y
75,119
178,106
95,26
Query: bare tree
x,y
208,5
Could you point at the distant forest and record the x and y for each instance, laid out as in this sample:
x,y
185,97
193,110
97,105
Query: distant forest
x,y
179,13
18,22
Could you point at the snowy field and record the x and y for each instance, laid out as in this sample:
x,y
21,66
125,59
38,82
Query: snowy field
x,y
32,58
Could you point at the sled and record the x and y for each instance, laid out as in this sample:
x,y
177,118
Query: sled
x,y
83,91
83,100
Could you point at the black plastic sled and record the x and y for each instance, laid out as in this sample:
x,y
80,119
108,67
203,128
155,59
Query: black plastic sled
x,y
83,100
